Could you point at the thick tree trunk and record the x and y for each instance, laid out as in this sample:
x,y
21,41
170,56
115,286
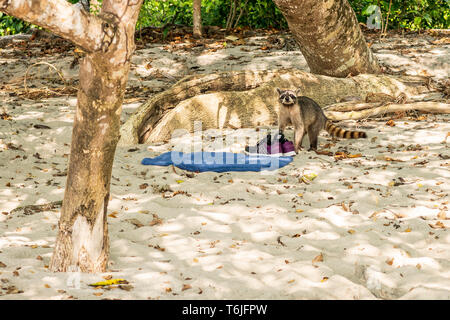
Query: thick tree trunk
x,y
82,242
329,36
197,17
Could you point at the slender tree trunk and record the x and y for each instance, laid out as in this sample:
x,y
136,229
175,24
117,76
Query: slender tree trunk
x,y
108,39
197,16
83,232
329,36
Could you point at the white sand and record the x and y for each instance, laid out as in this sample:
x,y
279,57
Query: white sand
x,y
236,235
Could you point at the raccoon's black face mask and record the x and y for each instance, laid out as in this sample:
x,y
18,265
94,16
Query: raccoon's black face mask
x,y
287,97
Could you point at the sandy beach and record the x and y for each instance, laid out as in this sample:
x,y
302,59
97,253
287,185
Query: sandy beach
x,y
372,225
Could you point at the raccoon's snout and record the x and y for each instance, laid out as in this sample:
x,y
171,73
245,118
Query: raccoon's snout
x,y
287,100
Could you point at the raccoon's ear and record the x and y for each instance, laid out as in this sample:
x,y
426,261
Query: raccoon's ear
x,y
298,91
279,91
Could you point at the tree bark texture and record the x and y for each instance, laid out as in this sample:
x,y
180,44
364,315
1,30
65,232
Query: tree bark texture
x,y
62,18
142,121
82,242
247,99
197,17
83,233
367,110
329,37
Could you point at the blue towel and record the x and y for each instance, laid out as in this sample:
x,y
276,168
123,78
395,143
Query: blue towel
x,y
217,161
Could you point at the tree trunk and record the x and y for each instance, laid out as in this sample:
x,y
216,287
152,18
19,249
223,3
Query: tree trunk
x,y
82,242
83,231
197,17
329,36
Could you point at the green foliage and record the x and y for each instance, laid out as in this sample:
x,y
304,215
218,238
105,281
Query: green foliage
x,y
10,25
157,13
410,14
263,14
257,13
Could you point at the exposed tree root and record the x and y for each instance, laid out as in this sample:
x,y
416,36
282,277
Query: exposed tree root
x,y
367,110
33,208
248,99
138,126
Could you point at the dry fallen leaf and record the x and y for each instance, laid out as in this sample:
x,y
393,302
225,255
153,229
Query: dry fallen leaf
x,y
113,214
438,225
358,155
156,220
318,258
390,262
135,222
126,287
442,215
186,287
109,282
344,206
390,123
448,135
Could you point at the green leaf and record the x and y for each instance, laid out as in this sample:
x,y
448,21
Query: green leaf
x,y
417,21
428,19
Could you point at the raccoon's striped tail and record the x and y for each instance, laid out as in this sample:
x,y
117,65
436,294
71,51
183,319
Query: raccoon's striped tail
x,y
341,133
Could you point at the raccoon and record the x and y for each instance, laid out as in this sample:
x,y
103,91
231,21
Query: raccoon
x,y
307,117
